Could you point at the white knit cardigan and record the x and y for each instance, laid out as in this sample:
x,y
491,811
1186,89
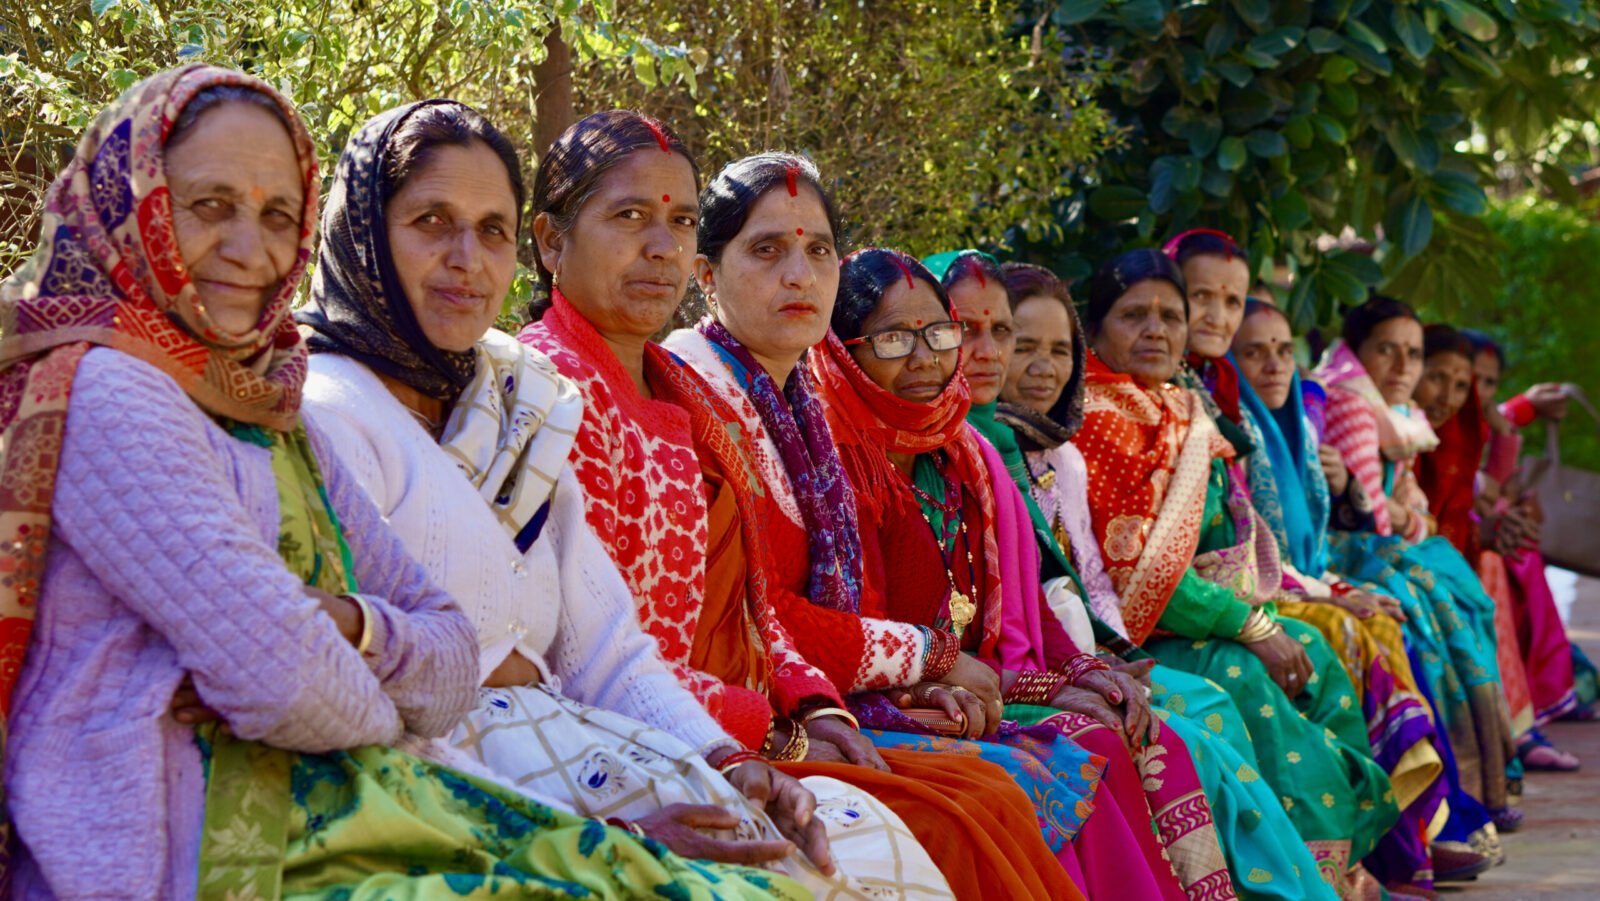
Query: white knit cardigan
x,y
563,604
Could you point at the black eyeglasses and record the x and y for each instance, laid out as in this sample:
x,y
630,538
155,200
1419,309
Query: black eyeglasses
x,y
892,344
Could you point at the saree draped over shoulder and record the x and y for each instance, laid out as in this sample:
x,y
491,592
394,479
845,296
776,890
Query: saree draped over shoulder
x,y
1266,857
1450,620
1535,656
1288,490
896,532
1161,499
743,664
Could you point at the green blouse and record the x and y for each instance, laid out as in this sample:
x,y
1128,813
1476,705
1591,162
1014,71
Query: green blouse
x,y
1201,609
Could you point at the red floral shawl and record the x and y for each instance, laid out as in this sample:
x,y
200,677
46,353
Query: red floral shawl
x,y
1447,474
644,496
1148,453
869,422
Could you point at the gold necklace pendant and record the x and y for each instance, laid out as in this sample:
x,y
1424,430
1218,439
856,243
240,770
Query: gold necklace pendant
x,y
1047,481
962,610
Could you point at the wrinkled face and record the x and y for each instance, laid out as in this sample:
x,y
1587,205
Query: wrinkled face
x,y
453,237
921,376
774,287
1041,364
626,260
1486,366
1218,287
1144,333
237,199
990,335
1392,355
1446,383
1264,349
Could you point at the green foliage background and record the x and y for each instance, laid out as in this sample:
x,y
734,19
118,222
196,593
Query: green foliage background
x,y
1544,316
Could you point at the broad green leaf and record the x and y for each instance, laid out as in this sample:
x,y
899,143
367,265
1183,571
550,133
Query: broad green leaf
x,y
1331,129
1366,36
1458,192
1343,98
1468,18
1144,17
1361,265
1418,150
1203,135
1412,30
1161,191
1300,132
1266,144
1338,69
99,7
1220,37
1371,60
644,69
1289,212
1116,203
1231,154
1071,12
1185,173
1239,75
1217,183
1278,41
1321,40
1253,11
1414,225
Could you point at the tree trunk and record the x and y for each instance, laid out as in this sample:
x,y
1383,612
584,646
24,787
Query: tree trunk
x,y
553,100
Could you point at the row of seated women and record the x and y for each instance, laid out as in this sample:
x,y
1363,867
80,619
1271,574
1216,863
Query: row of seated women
x,y
853,589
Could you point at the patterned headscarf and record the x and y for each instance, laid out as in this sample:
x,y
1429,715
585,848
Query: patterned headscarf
x,y
358,307
108,272
794,418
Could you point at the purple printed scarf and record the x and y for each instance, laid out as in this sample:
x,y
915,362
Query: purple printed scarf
x,y
795,422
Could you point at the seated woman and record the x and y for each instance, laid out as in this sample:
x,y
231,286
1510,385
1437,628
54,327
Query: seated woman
x,y
1449,476
1508,506
667,484
1365,640
755,235
932,544
173,523
455,429
1289,475
1196,576
1040,409
1369,374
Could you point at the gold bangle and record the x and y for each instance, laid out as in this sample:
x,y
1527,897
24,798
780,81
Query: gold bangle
x,y
795,750
1258,628
365,606
839,712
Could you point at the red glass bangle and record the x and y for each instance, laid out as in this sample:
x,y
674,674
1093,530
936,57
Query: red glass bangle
x,y
1076,668
944,650
736,759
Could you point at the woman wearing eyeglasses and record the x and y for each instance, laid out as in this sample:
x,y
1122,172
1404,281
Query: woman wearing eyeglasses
x,y
896,403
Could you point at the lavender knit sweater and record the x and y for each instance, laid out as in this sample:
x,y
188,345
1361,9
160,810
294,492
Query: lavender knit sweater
x,y
163,560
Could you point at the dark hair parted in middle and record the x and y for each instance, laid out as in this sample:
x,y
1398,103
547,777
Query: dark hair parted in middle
x,y
978,265
864,276
1203,242
1439,338
445,123
726,202
1123,272
1361,320
1254,305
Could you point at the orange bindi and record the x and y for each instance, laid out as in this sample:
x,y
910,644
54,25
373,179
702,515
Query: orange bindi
x,y
257,193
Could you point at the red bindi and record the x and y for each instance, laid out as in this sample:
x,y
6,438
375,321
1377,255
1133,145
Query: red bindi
x,y
919,322
666,198
799,231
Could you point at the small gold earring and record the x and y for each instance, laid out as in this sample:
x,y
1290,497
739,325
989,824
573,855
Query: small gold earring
x,y
555,278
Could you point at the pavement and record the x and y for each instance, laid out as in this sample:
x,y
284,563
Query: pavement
x,y
1555,856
